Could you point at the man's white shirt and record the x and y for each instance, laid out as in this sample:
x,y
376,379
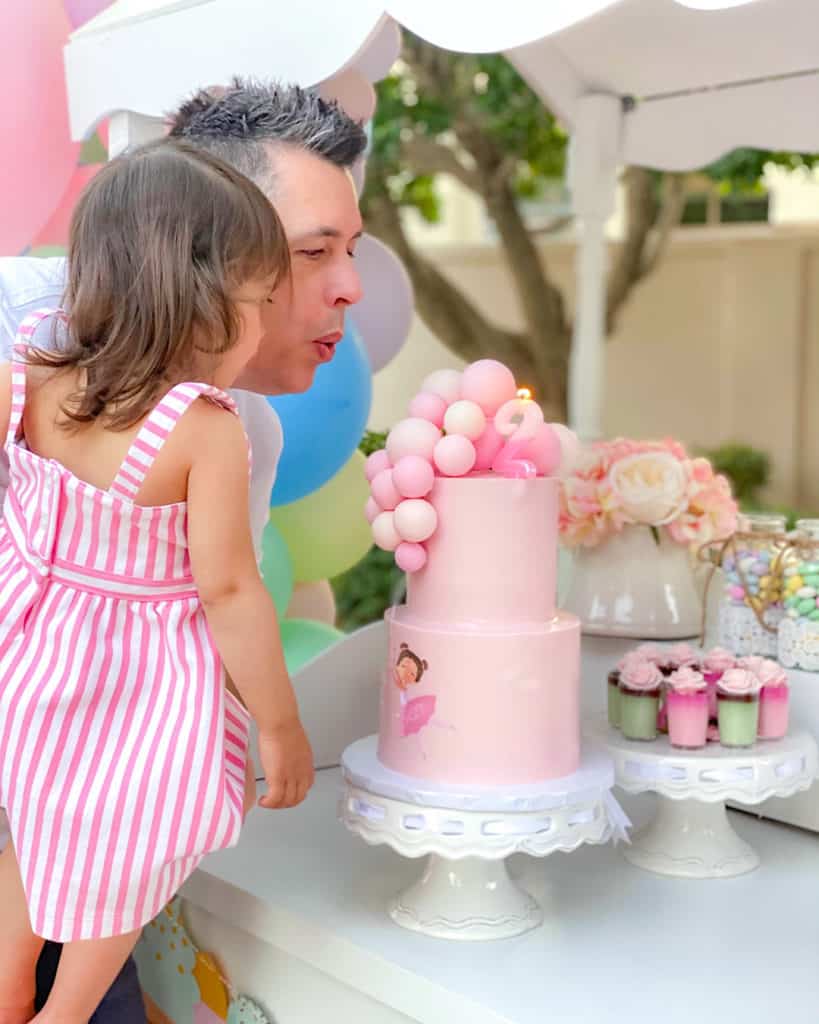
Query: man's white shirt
x,y
29,283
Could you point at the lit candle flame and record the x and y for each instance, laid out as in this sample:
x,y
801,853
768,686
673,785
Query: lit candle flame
x,y
524,393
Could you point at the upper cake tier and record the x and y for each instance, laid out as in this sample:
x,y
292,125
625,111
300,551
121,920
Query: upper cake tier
x,y
492,559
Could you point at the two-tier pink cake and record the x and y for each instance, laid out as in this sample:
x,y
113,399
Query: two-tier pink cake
x,y
482,681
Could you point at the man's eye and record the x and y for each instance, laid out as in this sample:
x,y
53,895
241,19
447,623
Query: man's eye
x,y
312,253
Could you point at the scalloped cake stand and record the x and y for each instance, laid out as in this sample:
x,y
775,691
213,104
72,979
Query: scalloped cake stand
x,y
690,835
465,891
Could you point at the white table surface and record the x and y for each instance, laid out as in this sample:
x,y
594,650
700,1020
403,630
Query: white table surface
x,y
619,944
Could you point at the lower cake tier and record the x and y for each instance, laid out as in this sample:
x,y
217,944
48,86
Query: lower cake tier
x,y
481,708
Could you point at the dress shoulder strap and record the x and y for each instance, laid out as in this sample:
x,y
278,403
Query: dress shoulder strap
x,y
155,431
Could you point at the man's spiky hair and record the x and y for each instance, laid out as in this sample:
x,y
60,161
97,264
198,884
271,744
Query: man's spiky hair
x,y
239,122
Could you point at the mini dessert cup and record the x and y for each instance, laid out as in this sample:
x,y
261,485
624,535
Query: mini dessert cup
x,y
613,698
773,712
738,708
715,662
686,702
640,685
774,698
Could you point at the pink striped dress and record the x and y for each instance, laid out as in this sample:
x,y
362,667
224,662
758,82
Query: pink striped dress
x,y
122,756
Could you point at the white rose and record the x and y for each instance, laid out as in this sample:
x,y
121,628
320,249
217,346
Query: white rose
x,y
651,487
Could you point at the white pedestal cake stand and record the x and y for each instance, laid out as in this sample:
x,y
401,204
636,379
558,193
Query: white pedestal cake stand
x,y
690,835
465,891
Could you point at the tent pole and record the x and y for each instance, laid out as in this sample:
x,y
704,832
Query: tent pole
x,y
129,129
592,177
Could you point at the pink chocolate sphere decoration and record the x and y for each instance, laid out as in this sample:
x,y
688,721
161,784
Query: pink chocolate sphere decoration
x,y
569,446
413,476
545,451
412,436
376,461
489,383
466,418
487,447
410,557
384,491
454,455
384,533
415,520
426,406
444,383
372,509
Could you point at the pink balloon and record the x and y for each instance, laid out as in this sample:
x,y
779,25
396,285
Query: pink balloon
x,y
55,231
38,159
410,557
454,455
487,447
544,450
371,510
413,476
376,461
488,383
427,406
80,11
384,491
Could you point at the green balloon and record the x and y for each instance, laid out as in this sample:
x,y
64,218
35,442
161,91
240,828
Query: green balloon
x,y
303,639
277,568
326,531
46,251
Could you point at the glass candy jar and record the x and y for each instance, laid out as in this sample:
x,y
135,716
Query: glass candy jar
x,y
798,632
751,606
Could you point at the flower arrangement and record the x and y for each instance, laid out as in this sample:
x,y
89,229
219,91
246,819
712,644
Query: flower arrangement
x,y
651,483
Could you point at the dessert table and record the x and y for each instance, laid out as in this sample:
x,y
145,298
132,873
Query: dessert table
x,y
296,915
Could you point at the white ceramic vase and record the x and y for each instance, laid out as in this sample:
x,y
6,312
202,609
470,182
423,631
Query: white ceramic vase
x,y
633,585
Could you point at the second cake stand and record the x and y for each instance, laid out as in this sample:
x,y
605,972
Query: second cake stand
x,y
465,891
690,835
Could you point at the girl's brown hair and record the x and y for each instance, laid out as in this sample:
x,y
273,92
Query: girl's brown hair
x,y
159,240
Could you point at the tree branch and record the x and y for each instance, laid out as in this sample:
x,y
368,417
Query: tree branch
x,y
668,219
425,156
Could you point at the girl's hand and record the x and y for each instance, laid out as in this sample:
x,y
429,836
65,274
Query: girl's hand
x,y
287,761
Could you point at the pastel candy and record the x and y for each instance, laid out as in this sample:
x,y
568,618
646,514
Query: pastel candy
x,y
806,606
814,615
811,581
806,592
792,601
792,613
810,568
737,593
746,564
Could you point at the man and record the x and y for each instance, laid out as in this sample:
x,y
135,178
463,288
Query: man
x,y
299,150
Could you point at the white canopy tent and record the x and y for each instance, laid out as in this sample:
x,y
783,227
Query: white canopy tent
x,y
669,84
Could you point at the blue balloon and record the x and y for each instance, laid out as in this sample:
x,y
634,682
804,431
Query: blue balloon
x,y
323,426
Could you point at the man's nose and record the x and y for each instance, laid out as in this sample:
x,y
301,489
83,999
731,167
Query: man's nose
x,y
346,288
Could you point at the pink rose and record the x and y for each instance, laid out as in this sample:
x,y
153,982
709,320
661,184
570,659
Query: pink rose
x,y
718,660
686,680
739,681
641,675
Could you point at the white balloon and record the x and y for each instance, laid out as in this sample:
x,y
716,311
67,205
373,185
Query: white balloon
x,y
385,534
415,520
446,383
384,314
465,417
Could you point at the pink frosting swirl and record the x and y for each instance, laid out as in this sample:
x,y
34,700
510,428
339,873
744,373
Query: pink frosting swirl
x,y
681,654
641,675
687,680
739,681
752,663
771,673
650,652
629,658
718,659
